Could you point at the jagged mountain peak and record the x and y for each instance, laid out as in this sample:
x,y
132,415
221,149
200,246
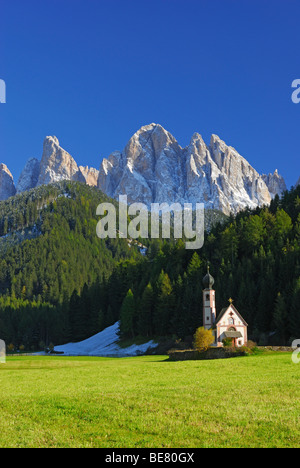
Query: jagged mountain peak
x,y
215,138
151,135
51,139
217,144
154,168
29,175
275,183
196,136
7,186
151,128
55,165
4,168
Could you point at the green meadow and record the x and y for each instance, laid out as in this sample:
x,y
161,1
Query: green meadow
x,y
148,401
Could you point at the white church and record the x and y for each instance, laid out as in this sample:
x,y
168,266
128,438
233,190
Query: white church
x,y
228,324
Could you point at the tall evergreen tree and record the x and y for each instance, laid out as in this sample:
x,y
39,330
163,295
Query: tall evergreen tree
x,y
127,315
145,312
164,309
280,317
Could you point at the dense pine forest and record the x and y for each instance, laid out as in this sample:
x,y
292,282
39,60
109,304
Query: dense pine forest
x,y
254,258
59,282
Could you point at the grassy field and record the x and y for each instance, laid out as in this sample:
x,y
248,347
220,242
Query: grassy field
x,y
148,401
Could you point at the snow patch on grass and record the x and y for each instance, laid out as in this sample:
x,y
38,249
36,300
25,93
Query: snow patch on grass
x,y
104,343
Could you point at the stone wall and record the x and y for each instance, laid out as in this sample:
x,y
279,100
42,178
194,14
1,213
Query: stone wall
x,y
211,353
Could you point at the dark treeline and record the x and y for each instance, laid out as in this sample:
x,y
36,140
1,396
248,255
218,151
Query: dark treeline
x,y
66,284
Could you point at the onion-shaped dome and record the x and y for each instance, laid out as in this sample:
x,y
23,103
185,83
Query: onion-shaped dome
x,y
208,280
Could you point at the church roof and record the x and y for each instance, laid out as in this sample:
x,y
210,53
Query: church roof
x,y
219,317
233,334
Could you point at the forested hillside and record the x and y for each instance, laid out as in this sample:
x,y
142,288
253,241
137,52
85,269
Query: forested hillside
x,y
49,249
59,282
254,258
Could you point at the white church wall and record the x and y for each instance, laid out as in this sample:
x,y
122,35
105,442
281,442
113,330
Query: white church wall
x,y
228,320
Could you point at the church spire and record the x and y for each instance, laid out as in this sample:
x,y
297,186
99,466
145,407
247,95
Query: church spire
x,y
208,280
209,301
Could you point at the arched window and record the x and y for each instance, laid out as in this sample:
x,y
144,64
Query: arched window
x,y
231,321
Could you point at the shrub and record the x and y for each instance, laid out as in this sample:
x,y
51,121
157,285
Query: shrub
x,y
227,342
203,338
251,344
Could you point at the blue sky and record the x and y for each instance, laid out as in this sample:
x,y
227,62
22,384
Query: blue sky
x,y
92,72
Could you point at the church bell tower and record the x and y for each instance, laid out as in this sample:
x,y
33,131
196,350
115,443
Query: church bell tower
x,y
209,301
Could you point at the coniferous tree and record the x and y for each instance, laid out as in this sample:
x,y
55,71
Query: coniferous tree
x,y
127,315
76,318
164,306
280,317
145,314
294,316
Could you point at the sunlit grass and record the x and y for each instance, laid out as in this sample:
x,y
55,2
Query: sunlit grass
x,y
149,402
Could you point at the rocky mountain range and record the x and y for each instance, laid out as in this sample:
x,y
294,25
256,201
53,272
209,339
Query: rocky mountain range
x,y
153,167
